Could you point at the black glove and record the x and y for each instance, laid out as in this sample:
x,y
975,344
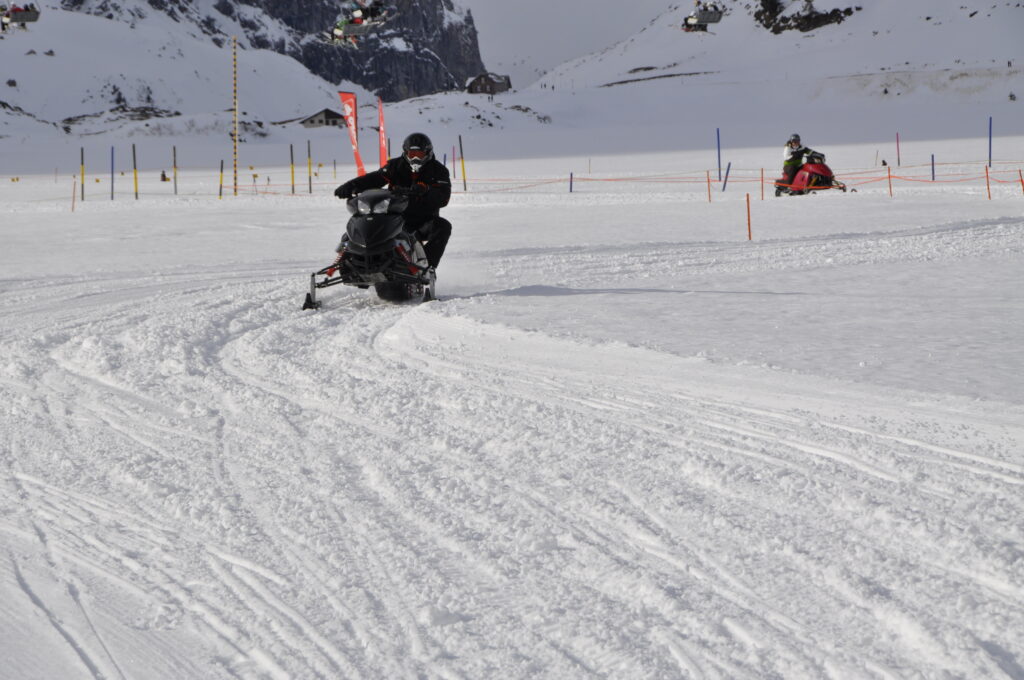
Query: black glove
x,y
344,191
420,189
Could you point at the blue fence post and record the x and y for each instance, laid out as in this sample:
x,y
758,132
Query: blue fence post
x,y
727,169
111,173
718,137
570,182
933,167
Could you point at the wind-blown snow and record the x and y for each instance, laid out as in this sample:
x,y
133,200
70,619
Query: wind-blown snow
x,y
626,441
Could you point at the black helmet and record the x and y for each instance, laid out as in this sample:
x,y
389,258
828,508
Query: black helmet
x,y
417,150
794,138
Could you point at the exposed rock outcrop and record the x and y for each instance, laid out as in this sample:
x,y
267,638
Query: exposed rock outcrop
x,y
770,15
429,46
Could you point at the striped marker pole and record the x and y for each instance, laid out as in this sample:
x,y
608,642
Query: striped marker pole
x,y
234,107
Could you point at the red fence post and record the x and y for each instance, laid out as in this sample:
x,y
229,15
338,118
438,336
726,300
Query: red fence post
x,y
750,233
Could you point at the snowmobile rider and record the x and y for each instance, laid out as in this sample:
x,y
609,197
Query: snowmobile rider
x,y
416,169
793,157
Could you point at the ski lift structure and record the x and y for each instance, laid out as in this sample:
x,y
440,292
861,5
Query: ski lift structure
x,y
18,15
360,19
704,15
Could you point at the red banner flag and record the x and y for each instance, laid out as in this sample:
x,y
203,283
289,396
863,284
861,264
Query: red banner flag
x,y
383,134
351,113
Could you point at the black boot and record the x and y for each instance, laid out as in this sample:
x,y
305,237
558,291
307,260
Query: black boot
x,y
435,233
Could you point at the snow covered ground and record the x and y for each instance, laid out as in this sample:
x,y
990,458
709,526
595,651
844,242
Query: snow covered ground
x,y
626,442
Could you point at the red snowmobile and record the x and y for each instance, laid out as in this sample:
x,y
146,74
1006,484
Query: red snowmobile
x,y
812,176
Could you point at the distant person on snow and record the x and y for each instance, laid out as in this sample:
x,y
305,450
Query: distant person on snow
x,y
793,157
431,186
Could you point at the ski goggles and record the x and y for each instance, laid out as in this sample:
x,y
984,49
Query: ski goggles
x,y
416,154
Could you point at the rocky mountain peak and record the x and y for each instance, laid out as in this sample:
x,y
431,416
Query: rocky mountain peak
x,y
429,46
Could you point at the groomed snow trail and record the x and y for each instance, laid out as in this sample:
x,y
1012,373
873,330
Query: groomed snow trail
x,y
538,475
416,493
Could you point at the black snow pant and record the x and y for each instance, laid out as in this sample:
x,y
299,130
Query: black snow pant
x,y
435,233
789,173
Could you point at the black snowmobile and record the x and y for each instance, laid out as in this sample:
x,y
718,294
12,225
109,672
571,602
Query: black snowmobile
x,y
377,251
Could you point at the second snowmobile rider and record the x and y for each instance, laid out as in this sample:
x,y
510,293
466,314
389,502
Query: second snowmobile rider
x,y
793,157
431,186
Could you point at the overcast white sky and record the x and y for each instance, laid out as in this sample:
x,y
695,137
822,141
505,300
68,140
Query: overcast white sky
x,y
525,38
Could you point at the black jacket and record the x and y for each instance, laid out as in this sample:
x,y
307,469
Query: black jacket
x,y
433,181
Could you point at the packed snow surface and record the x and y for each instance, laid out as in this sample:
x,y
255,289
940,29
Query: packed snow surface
x,y
627,441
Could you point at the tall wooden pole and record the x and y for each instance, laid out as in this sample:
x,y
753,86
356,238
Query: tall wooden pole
x,y
462,159
234,107
135,172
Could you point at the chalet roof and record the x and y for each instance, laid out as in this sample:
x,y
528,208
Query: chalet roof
x,y
493,77
327,113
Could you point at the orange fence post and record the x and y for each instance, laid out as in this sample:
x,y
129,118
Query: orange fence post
x,y
709,186
889,167
74,193
1021,175
762,184
750,234
988,184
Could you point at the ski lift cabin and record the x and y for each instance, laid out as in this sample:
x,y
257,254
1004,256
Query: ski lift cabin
x,y
702,16
16,14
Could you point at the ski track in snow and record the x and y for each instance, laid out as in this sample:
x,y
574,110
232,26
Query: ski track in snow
x,y
396,491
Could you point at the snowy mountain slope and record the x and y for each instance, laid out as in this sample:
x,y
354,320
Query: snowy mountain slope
x,y
929,70
916,36
427,46
627,442
157,72
528,38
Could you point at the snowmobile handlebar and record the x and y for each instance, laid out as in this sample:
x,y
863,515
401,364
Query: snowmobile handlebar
x,y
397,191
406,191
